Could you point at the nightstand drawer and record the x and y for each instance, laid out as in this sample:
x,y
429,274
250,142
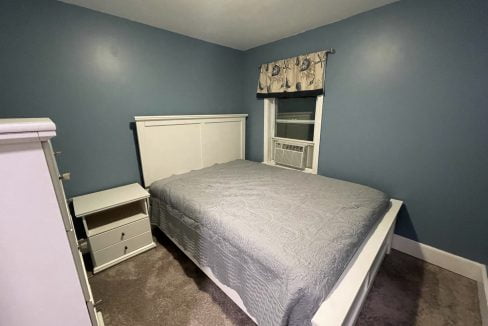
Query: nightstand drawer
x,y
121,249
124,232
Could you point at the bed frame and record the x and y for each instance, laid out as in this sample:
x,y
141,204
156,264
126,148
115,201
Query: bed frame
x,y
171,145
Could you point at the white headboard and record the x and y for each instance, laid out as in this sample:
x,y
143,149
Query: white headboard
x,y
177,144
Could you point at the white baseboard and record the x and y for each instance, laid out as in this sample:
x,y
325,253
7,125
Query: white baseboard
x,y
453,263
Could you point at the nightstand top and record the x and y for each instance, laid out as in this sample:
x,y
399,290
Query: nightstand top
x,y
105,199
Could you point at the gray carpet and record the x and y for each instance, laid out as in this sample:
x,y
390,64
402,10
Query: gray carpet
x,y
163,287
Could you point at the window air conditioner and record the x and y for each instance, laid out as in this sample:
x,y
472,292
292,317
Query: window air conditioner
x,y
290,154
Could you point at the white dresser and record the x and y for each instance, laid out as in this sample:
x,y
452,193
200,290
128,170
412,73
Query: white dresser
x,y
116,222
42,276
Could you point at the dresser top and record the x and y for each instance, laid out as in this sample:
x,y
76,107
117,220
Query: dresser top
x,y
102,200
20,125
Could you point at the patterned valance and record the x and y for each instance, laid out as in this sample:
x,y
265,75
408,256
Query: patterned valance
x,y
293,77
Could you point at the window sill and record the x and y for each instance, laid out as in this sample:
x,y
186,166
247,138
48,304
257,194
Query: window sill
x,y
272,163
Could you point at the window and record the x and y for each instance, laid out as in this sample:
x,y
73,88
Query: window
x,y
295,118
292,132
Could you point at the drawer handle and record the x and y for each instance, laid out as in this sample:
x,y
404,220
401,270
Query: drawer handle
x,y
122,236
65,176
125,249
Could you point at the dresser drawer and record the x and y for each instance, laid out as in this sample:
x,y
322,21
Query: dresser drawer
x,y
121,249
124,232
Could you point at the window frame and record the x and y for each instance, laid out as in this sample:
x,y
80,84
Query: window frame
x,y
270,107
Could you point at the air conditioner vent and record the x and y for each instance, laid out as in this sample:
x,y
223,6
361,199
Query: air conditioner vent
x,y
294,148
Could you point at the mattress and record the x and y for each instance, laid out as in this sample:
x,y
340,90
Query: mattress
x,y
280,238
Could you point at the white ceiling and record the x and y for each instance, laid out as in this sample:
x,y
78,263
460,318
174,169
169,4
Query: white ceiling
x,y
239,24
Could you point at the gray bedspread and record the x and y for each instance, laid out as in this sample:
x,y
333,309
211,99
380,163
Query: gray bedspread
x,y
278,237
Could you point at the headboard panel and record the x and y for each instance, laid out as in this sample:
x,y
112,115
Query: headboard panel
x,y
171,145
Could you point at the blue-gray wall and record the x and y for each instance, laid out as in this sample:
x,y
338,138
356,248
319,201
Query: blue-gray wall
x,y
92,73
406,108
406,111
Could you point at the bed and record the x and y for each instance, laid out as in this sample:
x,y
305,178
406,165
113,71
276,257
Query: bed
x,y
289,248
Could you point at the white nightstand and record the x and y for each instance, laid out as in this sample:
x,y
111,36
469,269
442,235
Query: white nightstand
x,y
116,222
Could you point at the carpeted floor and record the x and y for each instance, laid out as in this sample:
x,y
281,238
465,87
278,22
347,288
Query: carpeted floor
x,y
163,287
